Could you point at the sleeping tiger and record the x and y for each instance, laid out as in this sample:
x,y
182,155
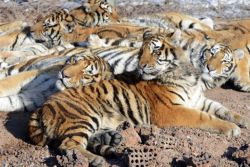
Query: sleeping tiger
x,y
209,57
237,26
74,115
11,26
30,80
95,13
172,20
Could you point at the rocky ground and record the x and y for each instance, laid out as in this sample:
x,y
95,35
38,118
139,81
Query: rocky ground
x,y
147,146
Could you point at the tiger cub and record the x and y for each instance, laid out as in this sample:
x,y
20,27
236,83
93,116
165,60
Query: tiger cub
x,y
74,115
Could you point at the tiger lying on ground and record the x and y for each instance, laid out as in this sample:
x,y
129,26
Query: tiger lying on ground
x,y
72,116
19,96
95,13
11,26
172,20
29,89
27,52
238,26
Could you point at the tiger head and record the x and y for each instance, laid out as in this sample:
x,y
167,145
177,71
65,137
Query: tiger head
x,y
95,13
81,71
158,54
49,29
220,61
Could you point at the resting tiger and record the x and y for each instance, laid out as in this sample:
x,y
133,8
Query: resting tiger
x,y
237,26
195,46
172,20
95,13
73,116
121,60
11,26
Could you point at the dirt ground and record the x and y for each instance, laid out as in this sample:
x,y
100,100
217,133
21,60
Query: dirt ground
x,y
161,147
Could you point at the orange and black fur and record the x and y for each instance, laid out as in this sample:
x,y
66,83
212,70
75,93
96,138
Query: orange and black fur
x,y
172,97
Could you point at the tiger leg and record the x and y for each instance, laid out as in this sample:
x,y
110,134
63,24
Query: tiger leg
x,y
13,84
241,77
103,142
217,109
80,143
193,118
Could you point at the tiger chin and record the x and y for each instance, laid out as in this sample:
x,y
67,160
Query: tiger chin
x,y
173,97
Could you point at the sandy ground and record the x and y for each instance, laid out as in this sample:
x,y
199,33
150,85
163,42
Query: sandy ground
x,y
182,146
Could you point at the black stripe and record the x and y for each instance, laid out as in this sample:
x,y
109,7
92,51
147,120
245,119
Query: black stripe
x,y
177,94
204,104
75,127
129,110
81,111
80,134
13,45
66,112
209,106
117,100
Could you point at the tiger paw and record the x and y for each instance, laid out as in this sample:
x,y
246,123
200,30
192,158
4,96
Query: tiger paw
x,y
231,130
110,137
245,122
97,161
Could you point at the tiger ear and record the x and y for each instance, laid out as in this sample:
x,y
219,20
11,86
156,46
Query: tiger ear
x,y
87,7
176,37
147,34
239,53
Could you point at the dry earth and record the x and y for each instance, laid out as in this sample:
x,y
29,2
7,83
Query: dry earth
x,y
160,147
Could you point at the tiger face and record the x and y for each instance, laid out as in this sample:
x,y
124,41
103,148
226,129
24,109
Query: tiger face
x,y
220,61
157,55
110,14
82,71
50,29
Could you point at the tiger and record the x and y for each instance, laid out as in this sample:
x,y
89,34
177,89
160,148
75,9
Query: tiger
x,y
11,26
15,40
121,59
236,26
163,98
19,96
27,52
95,13
62,26
210,57
172,20
241,77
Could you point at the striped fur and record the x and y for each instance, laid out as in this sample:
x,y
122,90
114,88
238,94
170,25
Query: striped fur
x,y
121,60
72,116
8,27
63,26
214,59
173,20
95,14
237,26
